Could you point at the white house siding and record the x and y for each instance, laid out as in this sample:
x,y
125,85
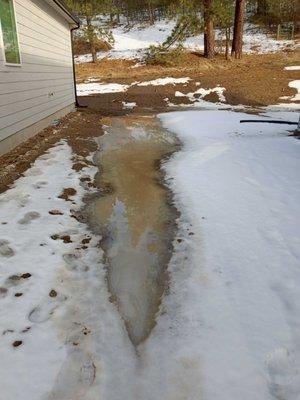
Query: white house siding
x,y
43,84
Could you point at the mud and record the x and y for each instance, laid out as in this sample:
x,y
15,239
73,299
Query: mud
x,y
136,218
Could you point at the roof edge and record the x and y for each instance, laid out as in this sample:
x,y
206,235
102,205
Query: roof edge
x,y
61,4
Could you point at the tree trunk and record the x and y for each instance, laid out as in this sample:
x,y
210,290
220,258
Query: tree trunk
x,y
237,42
227,34
93,50
262,8
91,38
209,33
151,14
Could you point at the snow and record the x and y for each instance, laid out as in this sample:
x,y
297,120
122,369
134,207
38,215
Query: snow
x,y
199,94
230,326
85,89
30,370
128,105
165,81
259,42
284,106
132,43
292,68
289,106
295,85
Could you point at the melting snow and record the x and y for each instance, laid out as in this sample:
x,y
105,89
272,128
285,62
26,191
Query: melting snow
x,y
289,106
293,68
295,85
234,303
33,293
165,81
85,89
201,93
229,325
128,105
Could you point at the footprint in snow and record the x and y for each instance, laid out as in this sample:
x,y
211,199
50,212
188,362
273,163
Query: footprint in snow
x,y
5,249
74,262
28,217
77,334
77,374
39,184
15,280
34,172
284,372
21,198
44,311
46,156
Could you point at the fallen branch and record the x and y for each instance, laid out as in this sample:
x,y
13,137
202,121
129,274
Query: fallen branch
x,y
268,121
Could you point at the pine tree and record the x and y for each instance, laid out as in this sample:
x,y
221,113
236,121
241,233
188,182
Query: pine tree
x,y
89,10
209,33
262,7
238,31
223,21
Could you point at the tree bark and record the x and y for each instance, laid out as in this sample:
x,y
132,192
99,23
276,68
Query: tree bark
x,y
151,14
237,42
227,34
262,7
209,33
91,38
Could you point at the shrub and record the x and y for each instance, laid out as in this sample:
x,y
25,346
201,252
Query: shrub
x,y
159,55
82,45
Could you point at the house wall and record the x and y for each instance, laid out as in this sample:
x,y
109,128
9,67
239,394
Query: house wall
x,y
43,85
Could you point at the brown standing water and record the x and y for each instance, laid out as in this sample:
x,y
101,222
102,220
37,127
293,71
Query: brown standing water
x,y
136,218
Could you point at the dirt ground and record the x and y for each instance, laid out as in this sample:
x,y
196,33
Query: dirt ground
x,y
77,128
256,80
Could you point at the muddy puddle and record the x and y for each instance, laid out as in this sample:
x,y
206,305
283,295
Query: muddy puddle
x,y
136,218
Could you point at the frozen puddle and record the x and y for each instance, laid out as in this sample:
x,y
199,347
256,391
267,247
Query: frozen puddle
x,y
135,219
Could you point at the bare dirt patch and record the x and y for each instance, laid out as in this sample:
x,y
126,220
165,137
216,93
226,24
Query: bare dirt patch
x,y
67,193
78,128
256,80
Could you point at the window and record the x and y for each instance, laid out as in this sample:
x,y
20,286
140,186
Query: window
x,y
9,32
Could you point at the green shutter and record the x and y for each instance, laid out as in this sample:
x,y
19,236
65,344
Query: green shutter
x,y
9,32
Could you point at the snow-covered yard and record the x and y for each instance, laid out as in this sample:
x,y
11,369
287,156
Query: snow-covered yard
x,y
227,329
236,300
131,43
40,244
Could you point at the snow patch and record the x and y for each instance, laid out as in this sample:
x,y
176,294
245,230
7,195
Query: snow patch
x,y
86,89
31,350
292,68
128,105
165,81
233,306
295,85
